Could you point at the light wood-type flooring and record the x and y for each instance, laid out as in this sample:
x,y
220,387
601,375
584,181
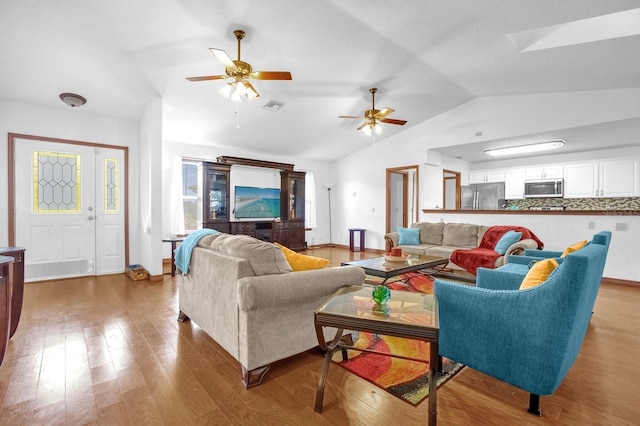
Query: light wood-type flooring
x,y
109,350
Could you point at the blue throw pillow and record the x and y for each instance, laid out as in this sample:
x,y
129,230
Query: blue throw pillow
x,y
408,236
509,237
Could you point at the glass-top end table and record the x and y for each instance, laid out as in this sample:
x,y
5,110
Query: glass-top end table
x,y
407,314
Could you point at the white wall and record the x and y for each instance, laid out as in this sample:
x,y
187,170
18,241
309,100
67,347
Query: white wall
x,y
558,232
148,230
360,185
64,123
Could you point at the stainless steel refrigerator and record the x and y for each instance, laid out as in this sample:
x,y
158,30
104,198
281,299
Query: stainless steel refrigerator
x,y
483,196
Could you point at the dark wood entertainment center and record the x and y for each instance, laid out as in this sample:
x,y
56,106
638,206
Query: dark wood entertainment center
x,y
288,230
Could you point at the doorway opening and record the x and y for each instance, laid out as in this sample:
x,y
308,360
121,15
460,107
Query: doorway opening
x,y
402,196
451,190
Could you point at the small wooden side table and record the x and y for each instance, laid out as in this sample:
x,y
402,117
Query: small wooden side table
x,y
352,231
174,243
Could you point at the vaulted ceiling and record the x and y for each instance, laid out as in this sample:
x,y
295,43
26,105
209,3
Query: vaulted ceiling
x,y
426,58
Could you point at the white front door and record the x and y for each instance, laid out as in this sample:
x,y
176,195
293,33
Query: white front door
x,y
69,209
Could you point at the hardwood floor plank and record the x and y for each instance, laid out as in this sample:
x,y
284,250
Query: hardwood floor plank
x,y
53,414
81,411
115,414
108,350
17,414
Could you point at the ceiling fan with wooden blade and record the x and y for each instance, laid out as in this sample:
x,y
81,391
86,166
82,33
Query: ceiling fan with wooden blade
x,y
374,116
240,71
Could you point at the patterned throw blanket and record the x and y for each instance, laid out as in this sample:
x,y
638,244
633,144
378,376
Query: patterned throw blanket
x,y
485,256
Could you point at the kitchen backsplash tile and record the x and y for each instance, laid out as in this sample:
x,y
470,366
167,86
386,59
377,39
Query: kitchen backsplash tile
x,y
629,203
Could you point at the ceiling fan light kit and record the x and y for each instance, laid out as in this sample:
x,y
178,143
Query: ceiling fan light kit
x,y
240,71
372,128
374,117
236,89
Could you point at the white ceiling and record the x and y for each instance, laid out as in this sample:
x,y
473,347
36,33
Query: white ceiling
x,y
425,58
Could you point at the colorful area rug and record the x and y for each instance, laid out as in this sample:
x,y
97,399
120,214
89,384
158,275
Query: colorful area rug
x,y
406,379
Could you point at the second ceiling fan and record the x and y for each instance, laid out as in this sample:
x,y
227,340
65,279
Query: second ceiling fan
x,y
374,116
240,71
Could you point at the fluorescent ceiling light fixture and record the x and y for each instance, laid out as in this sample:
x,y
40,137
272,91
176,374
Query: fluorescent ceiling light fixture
x,y
525,149
598,28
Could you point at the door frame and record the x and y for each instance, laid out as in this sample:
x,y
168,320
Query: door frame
x,y
405,196
451,175
11,206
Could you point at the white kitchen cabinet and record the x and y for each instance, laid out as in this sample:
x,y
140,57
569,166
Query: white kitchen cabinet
x,y
581,180
514,184
544,172
611,178
619,178
486,176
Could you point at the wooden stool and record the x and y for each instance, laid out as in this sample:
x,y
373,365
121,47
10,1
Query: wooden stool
x,y
351,232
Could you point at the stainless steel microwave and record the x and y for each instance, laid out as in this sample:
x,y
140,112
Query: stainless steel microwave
x,y
544,188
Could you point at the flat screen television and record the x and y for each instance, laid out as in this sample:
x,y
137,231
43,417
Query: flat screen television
x,y
257,203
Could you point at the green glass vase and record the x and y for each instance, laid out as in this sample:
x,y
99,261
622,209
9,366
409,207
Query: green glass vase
x,y
381,294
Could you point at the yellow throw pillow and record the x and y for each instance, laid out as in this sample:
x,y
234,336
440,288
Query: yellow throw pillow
x,y
577,246
301,262
539,273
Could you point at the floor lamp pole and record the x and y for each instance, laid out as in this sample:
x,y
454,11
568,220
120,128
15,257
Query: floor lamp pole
x,y
329,192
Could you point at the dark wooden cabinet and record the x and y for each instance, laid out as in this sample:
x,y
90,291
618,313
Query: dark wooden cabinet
x,y
17,291
215,198
289,231
6,284
244,228
292,195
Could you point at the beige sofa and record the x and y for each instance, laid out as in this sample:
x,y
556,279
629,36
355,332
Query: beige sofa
x,y
241,292
441,239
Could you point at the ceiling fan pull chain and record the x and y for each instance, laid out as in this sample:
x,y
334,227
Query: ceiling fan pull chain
x,y
237,112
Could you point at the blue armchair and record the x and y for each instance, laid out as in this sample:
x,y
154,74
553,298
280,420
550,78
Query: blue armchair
x,y
528,338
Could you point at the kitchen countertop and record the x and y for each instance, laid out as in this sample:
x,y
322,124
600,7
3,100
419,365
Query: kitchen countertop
x,y
542,212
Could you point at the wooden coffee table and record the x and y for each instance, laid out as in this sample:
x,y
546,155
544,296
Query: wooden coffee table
x,y
381,267
408,314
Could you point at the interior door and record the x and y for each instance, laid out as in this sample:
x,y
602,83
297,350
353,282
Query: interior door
x,y
67,197
398,211
402,197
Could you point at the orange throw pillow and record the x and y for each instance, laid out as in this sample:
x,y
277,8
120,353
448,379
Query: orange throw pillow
x,y
539,273
301,262
575,247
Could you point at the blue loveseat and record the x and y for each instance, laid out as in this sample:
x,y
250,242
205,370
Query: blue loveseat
x,y
528,338
520,265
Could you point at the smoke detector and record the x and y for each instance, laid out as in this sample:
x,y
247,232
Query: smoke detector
x,y
72,99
